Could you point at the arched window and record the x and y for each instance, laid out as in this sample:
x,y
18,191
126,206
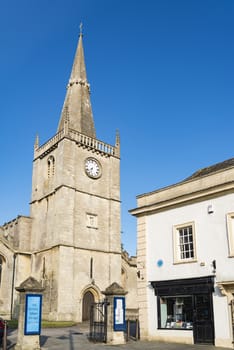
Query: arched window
x,y
51,166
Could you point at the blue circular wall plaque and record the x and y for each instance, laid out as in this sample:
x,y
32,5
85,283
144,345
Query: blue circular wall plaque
x,y
160,262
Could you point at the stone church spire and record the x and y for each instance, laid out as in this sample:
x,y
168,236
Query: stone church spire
x,y
77,101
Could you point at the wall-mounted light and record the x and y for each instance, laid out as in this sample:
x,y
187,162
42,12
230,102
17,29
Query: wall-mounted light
x,y
210,209
141,266
214,266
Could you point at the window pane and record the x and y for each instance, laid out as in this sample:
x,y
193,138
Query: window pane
x,y
186,243
176,312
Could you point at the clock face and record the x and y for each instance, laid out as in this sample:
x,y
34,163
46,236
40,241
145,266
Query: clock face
x,y
92,168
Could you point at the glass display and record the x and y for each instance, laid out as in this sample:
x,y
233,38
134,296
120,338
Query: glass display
x,y
176,312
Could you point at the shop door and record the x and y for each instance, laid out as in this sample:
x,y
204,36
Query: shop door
x,y
203,326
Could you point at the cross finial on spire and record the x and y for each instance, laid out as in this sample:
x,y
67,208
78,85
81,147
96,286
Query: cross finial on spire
x,y
81,28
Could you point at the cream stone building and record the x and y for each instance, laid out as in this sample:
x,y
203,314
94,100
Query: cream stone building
x,y
71,242
185,258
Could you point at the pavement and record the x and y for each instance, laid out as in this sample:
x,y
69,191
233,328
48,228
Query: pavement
x,y
76,338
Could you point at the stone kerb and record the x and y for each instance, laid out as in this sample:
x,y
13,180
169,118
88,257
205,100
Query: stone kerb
x,y
113,337
27,342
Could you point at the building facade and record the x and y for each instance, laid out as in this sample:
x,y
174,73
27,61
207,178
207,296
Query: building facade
x,y
71,242
185,259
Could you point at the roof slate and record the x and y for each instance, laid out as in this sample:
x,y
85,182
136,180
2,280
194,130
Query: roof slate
x,y
212,169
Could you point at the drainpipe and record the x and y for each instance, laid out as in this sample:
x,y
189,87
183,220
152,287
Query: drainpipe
x,y
12,284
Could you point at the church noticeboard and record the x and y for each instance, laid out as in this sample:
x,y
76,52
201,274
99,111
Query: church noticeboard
x,y
32,325
119,314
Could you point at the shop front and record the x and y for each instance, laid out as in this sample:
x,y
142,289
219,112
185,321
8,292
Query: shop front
x,y
186,304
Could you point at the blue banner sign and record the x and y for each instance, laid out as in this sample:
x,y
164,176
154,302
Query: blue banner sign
x,y
32,325
119,314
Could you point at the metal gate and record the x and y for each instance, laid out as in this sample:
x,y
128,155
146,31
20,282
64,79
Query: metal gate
x,y
98,322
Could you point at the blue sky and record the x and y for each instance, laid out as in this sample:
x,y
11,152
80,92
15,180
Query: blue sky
x,y
161,71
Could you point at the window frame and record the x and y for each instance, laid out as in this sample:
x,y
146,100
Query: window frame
x,y
176,244
174,323
50,166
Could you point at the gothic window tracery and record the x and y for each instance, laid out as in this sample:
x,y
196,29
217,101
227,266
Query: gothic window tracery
x,y
51,166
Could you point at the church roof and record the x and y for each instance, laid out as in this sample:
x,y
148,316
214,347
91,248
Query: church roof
x,y
77,111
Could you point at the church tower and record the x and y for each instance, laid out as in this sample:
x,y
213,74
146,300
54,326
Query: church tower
x,y
75,207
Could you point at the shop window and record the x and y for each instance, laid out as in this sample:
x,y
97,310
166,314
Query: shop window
x,y
176,312
184,243
230,227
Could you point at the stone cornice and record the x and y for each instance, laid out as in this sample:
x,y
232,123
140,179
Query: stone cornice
x,y
226,288
74,189
6,244
81,140
30,284
213,185
10,248
55,246
14,221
